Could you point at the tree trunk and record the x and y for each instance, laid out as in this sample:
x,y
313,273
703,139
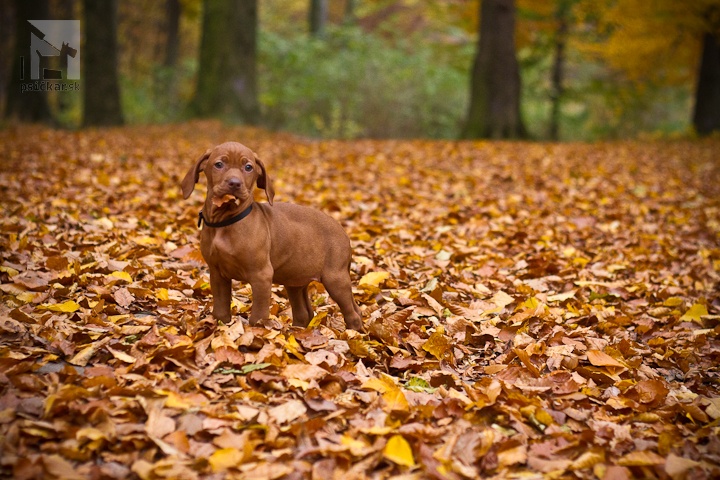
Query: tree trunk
x,y
349,15
101,90
28,106
495,85
706,117
172,12
227,77
557,89
317,17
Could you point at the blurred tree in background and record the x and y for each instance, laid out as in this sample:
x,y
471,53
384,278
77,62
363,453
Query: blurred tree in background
x,y
29,106
317,16
227,77
402,68
100,73
495,87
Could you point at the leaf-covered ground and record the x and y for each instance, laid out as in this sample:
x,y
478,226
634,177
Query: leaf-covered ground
x,y
532,310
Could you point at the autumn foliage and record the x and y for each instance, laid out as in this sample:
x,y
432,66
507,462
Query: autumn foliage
x,y
530,309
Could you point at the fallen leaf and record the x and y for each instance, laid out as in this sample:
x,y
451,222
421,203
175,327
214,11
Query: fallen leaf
x,y
398,450
67,306
641,458
225,459
287,412
374,279
695,313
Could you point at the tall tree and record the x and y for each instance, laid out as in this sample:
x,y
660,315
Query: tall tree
x,y
173,10
227,78
29,106
349,14
317,17
706,115
494,110
101,90
558,68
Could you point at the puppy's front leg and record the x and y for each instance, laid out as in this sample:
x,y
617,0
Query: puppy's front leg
x,y
222,295
261,285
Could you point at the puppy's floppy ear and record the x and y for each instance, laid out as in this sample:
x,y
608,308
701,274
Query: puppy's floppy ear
x,y
193,175
264,182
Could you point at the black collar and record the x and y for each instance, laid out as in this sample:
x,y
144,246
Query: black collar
x,y
226,222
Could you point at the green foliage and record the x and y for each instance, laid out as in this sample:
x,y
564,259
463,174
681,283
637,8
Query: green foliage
x,y
351,83
159,97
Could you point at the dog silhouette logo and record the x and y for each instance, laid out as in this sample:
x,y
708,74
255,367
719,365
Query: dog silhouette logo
x,y
54,50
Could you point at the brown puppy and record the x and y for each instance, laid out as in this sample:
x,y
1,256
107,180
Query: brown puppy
x,y
266,243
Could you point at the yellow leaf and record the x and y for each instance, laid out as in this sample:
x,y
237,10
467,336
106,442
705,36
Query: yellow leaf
x,y
122,356
26,297
695,312
438,344
673,302
512,456
224,459
122,276
173,400
395,401
9,270
317,319
642,458
382,384
162,294
588,459
90,433
544,417
393,396
145,241
398,450
531,303
374,278
83,356
302,384
357,447
67,306
292,346
601,359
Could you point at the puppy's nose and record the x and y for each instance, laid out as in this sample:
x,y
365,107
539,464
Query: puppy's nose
x,y
234,182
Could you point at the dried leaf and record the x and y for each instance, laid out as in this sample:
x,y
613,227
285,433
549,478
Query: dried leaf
x,y
67,306
695,313
641,458
374,279
288,411
398,450
225,459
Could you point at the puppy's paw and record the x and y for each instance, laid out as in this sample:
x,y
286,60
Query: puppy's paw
x,y
355,324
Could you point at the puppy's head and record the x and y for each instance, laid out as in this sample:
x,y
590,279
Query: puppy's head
x,y
231,169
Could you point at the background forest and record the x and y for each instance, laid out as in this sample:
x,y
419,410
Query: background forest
x,y
402,68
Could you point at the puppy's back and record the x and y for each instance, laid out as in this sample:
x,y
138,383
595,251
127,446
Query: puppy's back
x,y
305,240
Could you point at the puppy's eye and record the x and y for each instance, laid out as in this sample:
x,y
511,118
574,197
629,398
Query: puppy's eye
x,y
248,167
219,165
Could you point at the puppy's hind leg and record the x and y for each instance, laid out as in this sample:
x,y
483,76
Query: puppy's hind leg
x,y
302,311
339,287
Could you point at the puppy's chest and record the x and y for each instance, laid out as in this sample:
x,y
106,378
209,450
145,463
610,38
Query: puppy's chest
x,y
235,257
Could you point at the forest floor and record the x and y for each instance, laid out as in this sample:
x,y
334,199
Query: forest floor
x,y
533,310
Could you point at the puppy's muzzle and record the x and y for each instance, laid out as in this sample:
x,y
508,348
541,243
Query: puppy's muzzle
x,y
234,183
